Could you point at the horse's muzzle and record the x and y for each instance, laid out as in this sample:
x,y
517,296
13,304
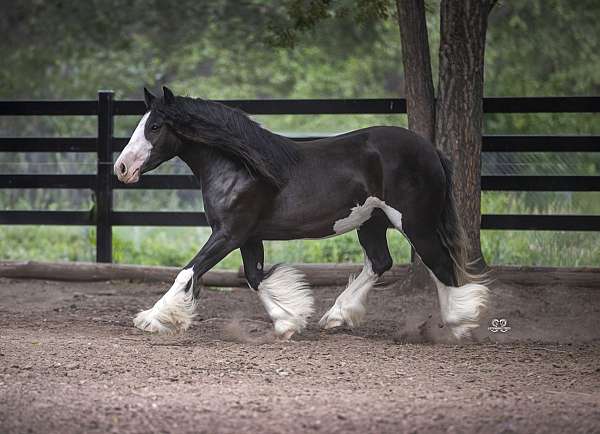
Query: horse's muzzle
x,y
127,169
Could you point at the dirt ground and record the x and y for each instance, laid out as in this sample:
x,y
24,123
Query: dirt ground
x,y
70,361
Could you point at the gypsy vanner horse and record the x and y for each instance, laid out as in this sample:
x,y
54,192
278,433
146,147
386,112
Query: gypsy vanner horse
x,y
257,185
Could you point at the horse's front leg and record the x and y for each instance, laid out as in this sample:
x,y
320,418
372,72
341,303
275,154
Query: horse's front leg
x,y
176,309
282,290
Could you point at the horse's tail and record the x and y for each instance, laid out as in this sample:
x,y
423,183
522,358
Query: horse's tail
x,y
452,233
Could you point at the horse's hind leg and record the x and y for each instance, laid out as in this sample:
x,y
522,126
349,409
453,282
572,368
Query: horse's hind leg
x,y
283,290
461,306
349,307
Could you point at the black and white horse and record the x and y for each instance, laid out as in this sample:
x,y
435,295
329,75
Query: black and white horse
x,y
257,185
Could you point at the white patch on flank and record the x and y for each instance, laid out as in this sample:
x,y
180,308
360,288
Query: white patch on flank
x,y
288,300
462,307
349,308
361,213
135,153
174,311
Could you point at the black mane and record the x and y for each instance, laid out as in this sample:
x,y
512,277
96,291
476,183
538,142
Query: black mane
x,y
263,153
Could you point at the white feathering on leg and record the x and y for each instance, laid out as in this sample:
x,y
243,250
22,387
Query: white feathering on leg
x,y
288,300
174,311
462,306
349,307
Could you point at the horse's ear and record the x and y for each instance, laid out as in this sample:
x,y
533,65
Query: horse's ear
x,y
148,98
168,95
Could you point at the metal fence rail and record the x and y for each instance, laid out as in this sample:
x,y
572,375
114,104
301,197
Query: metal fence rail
x,y
105,108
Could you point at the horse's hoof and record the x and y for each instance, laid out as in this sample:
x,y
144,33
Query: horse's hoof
x,y
147,321
284,330
333,318
331,324
286,336
339,315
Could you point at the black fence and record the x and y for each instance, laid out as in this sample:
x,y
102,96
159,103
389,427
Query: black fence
x,y
105,108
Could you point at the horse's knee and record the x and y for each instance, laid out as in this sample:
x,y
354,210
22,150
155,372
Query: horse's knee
x,y
254,278
372,238
253,258
381,264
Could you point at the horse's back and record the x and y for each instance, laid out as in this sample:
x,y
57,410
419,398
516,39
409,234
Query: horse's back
x,y
398,154
398,142
398,165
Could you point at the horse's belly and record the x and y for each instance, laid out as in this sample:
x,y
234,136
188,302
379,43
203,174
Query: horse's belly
x,y
331,182
312,216
303,222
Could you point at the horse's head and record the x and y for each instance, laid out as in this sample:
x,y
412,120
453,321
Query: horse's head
x,y
151,144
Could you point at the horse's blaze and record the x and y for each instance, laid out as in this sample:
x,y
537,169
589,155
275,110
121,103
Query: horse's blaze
x,y
129,164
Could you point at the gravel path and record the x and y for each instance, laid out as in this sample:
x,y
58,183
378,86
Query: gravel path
x,y
70,361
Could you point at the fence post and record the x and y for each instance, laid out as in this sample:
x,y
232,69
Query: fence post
x,y
103,177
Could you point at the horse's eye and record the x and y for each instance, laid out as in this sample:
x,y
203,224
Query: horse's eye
x,y
155,127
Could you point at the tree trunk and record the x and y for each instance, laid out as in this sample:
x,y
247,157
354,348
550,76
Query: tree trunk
x,y
418,90
418,79
459,109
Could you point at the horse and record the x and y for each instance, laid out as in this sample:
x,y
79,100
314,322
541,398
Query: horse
x,y
257,185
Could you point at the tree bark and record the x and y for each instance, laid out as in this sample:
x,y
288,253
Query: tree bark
x,y
418,90
459,108
418,79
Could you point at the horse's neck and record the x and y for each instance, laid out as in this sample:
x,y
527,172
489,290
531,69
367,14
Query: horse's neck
x,y
208,165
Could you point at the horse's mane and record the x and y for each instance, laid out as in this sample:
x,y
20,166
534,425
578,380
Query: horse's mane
x,y
231,131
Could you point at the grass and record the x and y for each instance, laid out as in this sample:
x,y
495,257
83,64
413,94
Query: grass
x,y
176,246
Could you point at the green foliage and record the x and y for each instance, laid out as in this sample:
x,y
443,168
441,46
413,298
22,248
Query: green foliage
x,y
557,249
45,243
543,47
540,247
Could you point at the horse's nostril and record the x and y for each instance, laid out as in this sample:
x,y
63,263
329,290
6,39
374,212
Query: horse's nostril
x,y
123,169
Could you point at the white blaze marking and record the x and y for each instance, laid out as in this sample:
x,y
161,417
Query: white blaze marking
x,y
174,311
350,306
288,300
138,141
135,153
361,213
